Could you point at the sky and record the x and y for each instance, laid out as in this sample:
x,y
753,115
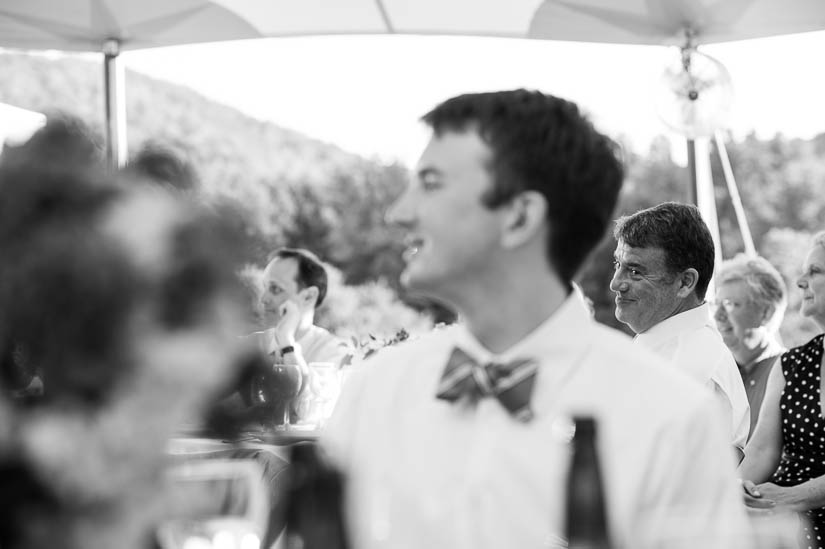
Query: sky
x,y
366,93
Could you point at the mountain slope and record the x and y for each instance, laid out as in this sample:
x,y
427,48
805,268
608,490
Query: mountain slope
x,y
229,147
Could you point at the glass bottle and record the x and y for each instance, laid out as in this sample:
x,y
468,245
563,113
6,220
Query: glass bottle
x,y
315,504
586,522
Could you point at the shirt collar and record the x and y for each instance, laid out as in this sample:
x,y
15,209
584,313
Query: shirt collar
x,y
692,319
552,334
773,349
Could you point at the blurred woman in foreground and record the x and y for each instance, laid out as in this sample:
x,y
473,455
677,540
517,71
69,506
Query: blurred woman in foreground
x,y
784,465
125,298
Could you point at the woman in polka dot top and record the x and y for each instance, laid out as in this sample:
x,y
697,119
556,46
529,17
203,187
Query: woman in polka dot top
x,y
784,465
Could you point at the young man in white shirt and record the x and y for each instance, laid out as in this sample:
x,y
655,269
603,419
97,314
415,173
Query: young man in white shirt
x,y
509,197
663,264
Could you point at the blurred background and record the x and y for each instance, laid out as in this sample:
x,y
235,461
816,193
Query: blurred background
x,y
310,139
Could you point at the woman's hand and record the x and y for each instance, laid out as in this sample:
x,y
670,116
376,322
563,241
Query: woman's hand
x,y
754,497
780,496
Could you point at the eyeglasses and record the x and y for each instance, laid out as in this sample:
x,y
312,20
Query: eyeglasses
x,y
727,304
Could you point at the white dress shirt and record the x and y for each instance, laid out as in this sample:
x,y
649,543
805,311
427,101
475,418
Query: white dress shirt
x,y
424,472
691,341
317,345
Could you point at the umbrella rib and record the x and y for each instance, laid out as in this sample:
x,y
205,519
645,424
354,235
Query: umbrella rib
x,y
385,16
65,31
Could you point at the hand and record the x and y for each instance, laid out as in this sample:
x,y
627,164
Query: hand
x,y
781,496
754,498
287,326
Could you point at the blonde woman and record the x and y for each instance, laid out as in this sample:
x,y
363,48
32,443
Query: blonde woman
x,y
784,465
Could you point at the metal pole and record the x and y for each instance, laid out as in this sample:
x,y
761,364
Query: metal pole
x,y
115,105
733,190
691,154
706,198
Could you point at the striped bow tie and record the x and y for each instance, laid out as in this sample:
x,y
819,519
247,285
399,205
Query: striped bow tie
x,y
511,383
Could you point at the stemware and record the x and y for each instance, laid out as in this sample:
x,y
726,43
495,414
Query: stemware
x,y
217,503
275,391
284,385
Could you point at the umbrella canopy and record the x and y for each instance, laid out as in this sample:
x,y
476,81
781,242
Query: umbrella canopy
x,y
86,25
664,22
111,26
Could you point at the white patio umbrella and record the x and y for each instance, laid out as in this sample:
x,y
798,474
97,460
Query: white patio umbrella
x,y
111,26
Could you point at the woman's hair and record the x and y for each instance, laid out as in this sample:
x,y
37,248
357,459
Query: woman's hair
x,y
819,238
764,284
72,290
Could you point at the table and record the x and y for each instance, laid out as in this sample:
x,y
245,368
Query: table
x,y
268,447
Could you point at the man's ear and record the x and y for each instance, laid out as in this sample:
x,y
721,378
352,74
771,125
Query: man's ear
x,y
524,217
688,280
309,295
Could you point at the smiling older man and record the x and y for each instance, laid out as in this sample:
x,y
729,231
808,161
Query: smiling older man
x,y
663,265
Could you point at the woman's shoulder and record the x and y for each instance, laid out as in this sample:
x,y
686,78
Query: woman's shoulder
x,y
805,351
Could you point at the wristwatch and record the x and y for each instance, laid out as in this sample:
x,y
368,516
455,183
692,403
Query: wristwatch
x,y
287,349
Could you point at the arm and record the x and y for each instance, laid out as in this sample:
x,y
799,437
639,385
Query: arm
x,y
740,433
764,449
285,335
691,495
765,446
802,497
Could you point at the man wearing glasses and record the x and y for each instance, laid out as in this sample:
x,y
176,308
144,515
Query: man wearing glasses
x,y
663,265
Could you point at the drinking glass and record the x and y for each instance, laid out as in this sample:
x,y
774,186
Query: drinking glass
x,y
320,395
774,529
284,383
276,390
218,504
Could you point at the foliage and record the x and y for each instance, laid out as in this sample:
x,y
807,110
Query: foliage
x,y
289,189
369,312
786,249
780,182
370,345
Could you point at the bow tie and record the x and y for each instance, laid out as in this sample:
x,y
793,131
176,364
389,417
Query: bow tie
x,y
511,383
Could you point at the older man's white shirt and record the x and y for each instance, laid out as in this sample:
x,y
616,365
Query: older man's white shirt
x,y
691,341
423,472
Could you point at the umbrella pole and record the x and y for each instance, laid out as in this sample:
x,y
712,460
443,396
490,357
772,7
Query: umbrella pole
x,y
115,105
691,155
735,199
703,193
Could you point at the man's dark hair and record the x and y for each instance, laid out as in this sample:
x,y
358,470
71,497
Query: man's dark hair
x,y
678,229
544,144
311,271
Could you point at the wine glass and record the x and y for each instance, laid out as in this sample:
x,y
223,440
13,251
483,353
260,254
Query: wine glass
x,y
275,390
284,382
217,504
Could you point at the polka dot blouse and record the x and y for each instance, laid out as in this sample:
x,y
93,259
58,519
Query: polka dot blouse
x,y
803,430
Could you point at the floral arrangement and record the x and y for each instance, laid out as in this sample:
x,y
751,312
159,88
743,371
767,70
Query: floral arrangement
x,y
371,344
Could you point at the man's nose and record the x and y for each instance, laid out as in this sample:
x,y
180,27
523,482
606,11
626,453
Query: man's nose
x,y
801,282
720,314
401,212
617,283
